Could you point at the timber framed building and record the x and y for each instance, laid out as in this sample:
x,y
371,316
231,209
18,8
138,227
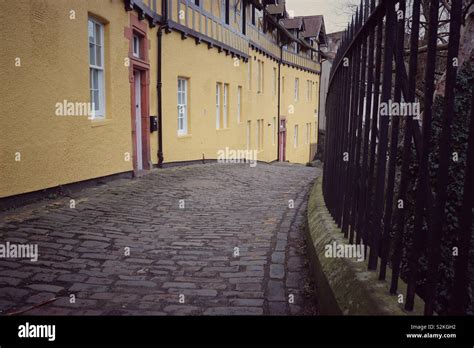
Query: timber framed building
x,y
97,88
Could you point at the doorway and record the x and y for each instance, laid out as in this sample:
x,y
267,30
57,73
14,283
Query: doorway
x,y
282,140
138,137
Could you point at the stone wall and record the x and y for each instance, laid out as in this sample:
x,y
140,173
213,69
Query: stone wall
x,y
344,285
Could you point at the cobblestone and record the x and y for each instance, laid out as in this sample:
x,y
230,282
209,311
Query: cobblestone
x,y
128,249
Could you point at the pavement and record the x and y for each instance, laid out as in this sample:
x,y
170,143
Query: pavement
x,y
207,239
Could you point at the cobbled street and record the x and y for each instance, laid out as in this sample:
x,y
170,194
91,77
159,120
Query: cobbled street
x,y
212,239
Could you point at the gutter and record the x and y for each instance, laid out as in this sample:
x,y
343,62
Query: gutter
x,y
159,83
279,102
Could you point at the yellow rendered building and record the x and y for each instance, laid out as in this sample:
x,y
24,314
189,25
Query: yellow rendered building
x,y
94,88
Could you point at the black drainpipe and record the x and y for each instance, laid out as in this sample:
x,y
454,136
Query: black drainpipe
x,y
159,84
279,102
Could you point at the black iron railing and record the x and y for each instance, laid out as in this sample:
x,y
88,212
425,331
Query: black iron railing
x,y
388,177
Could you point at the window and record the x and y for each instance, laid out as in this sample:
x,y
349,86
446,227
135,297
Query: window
x,y
274,130
252,9
225,6
96,67
225,104
239,104
260,76
182,106
295,137
308,133
195,2
316,91
218,105
275,87
297,89
136,46
244,18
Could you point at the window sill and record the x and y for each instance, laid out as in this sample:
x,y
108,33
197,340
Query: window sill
x,y
100,122
184,136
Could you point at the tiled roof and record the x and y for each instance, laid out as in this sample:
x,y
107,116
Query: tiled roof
x,y
312,25
293,23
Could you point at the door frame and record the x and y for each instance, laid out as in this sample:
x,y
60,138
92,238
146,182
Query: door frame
x,y
140,65
138,139
282,139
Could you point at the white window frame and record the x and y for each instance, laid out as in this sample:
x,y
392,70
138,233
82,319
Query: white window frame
x,y
297,89
218,105
295,136
225,104
183,105
100,113
136,46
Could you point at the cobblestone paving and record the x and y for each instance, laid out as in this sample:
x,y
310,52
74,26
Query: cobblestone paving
x,y
181,261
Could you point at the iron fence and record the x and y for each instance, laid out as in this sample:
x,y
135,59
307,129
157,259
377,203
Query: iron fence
x,y
386,177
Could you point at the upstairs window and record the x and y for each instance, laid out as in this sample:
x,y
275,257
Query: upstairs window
x,y
96,67
136,46
225,8
260,76
244,18
297,89
253,15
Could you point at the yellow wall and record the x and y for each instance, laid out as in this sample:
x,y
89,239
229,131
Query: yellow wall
x,y
57,150
53,50
204,68
299,112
